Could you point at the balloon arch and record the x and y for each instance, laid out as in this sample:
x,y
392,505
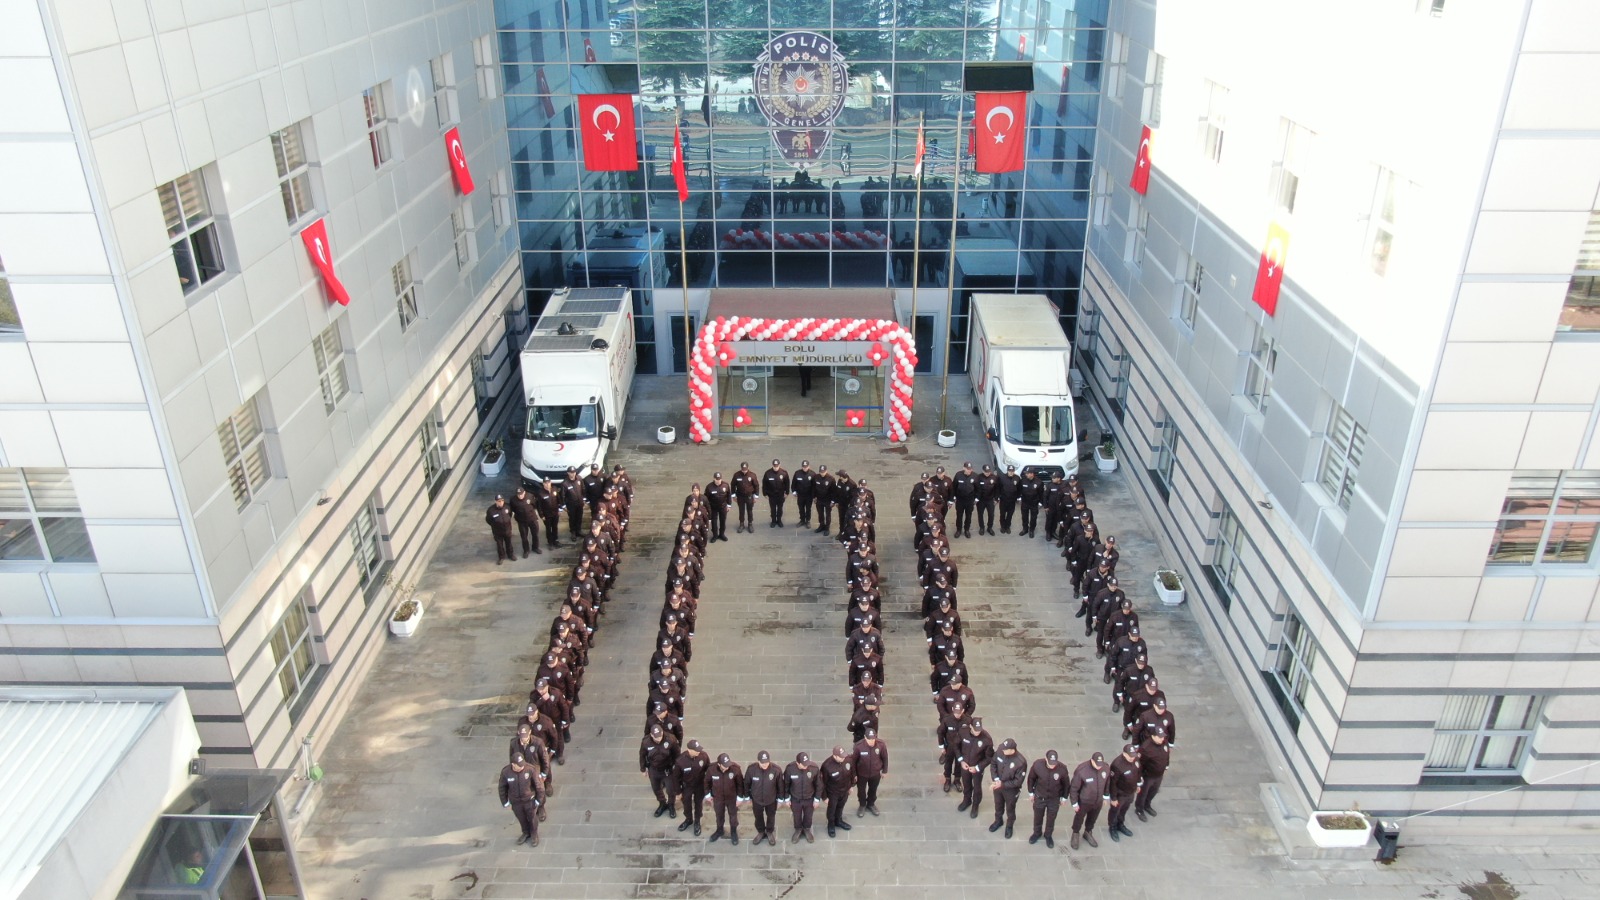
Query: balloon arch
x,y
712,349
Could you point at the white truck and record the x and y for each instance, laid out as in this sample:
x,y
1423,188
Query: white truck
x,y
1018,360
577,370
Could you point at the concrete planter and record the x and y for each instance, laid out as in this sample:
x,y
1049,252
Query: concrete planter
x,y
1336,838
407,627
493,463
666,434
1169,596
947,438
1105,462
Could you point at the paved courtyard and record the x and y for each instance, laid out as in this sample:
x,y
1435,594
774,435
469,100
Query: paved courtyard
x,y
408,807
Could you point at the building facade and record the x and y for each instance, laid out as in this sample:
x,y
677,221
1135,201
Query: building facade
x,y
213,474
1385,495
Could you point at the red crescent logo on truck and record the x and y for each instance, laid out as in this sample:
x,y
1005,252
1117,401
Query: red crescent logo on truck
x,y
560,447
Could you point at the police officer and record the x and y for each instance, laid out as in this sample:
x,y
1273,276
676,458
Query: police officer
x,y
499,518
822,488
658,752
1089,792
775,487
521,789
872,763
1154,757
1047,784
947,670
725,784
572,501
717,494
522,509
548,503
594,489
530,748
866,699
803,483
763,784
1126,779
745,486
951,725
1054,500
1010,772
975,753
802,782
689,780
1156,716
988,494
1030,494
964,487
838,777
1010,489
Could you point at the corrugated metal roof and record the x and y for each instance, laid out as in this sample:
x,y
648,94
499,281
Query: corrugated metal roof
x,y
55,753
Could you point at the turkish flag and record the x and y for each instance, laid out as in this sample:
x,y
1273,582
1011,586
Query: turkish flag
x,y
1269,274
458,160
588,51
1022,46
607,124
544,93
680,175
1061,102
922,149
315,237
1002,121
1141,164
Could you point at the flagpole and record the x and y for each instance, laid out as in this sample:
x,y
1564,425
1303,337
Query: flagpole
x,y
950,278
683,253
916,242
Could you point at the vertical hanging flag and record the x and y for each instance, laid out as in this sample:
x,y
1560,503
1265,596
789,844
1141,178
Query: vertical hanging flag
x,y
922,149
606,121
1001,121
1022,46
680,175
1061,102
588,51
544,93
315,237
458,161
1269,275
1141,163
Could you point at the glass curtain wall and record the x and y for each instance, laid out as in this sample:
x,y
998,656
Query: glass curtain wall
x,y
845,217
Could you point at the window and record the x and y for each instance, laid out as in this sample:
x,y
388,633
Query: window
x,y
1189,291
40,519
434,462
1259,365
1294,147
328,349
1581,312
1227,568
445,104
10,322
1166,457
483,59
1116,65
380,126
405,292
1213,121
294,171
1431,7
466,240
1150,100
1138,228
1291,671
1387,197
192,227
1342,445
1482,734
293,654
367,544
1548,518
1102,195
500,200
244,452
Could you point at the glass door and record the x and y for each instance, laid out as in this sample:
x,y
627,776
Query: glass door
x,y
679,359
857,400
743,395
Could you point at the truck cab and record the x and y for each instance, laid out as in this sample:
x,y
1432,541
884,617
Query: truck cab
x,y
565,427
1032,431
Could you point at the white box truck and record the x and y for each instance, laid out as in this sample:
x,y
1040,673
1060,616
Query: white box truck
x,y
577,370
1018,360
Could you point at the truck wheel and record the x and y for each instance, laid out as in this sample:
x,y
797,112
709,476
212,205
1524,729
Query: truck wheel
x,y
974,409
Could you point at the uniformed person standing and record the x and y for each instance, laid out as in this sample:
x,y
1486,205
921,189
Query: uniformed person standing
x,y
1157,716
1047,784
717,495
522,509
689,779
725,783
745,487
872,763
988,493
1010,773
964,487
1010,491
1154,757
594,489
521,789
775,487
572,501
499,518
802,782
548,502
803,483
1054,500
975,752
1126,779
822,488
838,777
1030,494
1089,792
658,752
763,783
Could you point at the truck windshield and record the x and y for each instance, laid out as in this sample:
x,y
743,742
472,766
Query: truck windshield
x,y
560,423
1036,426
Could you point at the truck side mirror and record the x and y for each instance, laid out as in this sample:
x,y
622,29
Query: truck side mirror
x,y
610,433
992,435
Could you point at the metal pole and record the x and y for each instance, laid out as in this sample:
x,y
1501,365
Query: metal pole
x,y
916,252
950,278
683,269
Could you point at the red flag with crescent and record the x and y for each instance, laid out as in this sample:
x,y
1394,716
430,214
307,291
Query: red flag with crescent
x,y
458,161
588,51
1141,163
544,92
680,174
607,126
315,237
922,149
1002,123
1269,274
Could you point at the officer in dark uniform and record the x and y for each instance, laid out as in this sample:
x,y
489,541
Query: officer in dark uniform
x,y
1126,780
775,487
946,670
745,488
689,779
725,784
1010,772
964,487
1054,501
1157,716
1010,492
866,698
1047,784
1154,757
717,494
844,492
499,517
572,501
594,489
951,725
1089,792
522,791
975,753
522,509
804,486
838,777
1029,495
988,493
802,784
822,489
872,763
658,752
548,502
763,784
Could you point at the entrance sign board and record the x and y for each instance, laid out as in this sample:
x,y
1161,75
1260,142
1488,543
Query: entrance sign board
x,y
803,353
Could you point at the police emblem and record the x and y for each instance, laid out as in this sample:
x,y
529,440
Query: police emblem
x,y
800,81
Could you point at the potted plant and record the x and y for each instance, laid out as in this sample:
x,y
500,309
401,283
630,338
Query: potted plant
x,y
1169,586
947,437
1105,455
666,434
494,458
407,614
1341,829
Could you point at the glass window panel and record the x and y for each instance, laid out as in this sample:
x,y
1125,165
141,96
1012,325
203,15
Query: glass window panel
x,y
1569,542
1530,494
18,540
12,496
1450,752
1516,541
67,540
1464,712
1500,752
1514,712
1580,495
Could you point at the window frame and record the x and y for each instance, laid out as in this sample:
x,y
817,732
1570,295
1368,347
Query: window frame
x,y
367,540
1288,169
301,685
1339,462
1388,194
10,316
1227,562
333,377
1116,64
376,102
446,102
1164,463
1583,290
1138,232
1549,520
1213,124
296,178
484,67
40,506
1480,738
246,490
1294,659
196,236
500,201
1150,96
435,454
1101,210
464,234
405,283
1187,308
1261,363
